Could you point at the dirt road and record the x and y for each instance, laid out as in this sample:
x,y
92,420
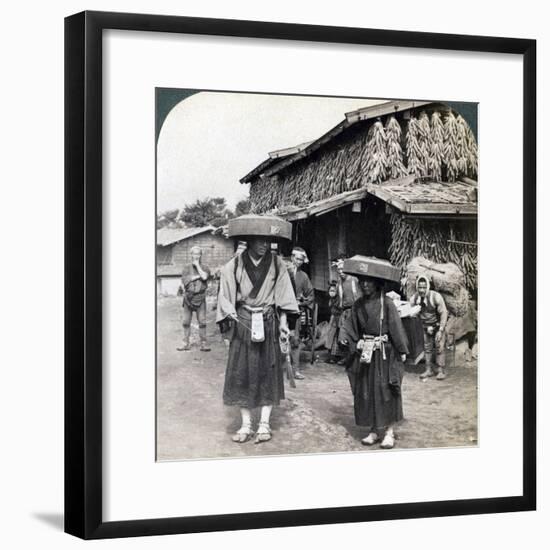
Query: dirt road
x,y
316,416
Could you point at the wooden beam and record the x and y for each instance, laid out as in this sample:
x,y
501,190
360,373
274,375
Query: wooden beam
x,y
468,181
295,216
442,208
386,108
288,150
389,198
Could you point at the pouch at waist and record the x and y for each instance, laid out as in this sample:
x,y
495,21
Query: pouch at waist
x,y
245,311
376,339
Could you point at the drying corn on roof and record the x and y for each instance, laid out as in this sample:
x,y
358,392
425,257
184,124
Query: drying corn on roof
x,y
420,196
409,195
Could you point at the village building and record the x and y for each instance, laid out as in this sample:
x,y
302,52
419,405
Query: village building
x,y
396,180
174,252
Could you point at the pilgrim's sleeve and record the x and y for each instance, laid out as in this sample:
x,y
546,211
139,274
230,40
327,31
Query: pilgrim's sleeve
x,y
397,331
285,299
349,331
227,295
358,294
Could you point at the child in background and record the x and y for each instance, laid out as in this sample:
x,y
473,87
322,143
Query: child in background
x,y
335,353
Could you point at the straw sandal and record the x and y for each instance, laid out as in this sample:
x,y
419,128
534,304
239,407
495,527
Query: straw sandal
x,y
263,433
388,442
243,434
371,439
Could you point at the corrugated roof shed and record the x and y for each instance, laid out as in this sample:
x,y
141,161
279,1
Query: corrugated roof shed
x,y
166,236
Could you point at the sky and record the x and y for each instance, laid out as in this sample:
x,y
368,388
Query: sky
x,y
212,139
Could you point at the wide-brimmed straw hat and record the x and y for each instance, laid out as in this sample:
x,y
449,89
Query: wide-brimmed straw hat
x,y
369,266
254,225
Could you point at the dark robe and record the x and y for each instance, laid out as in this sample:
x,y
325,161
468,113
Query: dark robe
x,y
305,296
376,387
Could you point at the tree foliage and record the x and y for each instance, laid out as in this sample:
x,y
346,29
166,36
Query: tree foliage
x,y
208,211
212,210
242,207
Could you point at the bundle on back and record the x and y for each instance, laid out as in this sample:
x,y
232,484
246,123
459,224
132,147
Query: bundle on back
x,y
446,278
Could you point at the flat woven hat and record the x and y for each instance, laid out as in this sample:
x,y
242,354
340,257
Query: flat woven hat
x,y
253,225
369,266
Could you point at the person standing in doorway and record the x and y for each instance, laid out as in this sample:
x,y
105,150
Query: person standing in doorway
x,y
303,290
335,352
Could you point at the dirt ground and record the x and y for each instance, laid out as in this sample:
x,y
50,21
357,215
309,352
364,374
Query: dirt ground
x,y
315,417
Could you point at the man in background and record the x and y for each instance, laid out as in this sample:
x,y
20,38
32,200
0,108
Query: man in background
x,y
347,293
303,289
194,281
433,314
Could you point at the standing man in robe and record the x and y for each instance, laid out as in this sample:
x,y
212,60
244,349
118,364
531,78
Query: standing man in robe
x,y
255,298
305,297
377,343
194,281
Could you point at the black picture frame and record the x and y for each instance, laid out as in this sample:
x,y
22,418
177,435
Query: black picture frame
x,y
83,273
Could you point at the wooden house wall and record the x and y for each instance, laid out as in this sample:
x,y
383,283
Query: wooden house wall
x,y
216,250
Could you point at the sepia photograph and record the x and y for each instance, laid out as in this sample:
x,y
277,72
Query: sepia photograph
x,y
316,274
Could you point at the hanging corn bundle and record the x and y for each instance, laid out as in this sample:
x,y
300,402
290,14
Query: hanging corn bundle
x,y
470,149
372,155
395,167
377,161
418,152
462,146
453,147
437,147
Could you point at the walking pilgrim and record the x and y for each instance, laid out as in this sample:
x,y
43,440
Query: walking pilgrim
x,y
377,343
255,298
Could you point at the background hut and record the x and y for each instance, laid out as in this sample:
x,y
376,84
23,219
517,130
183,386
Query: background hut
x,y
395,180
174,251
